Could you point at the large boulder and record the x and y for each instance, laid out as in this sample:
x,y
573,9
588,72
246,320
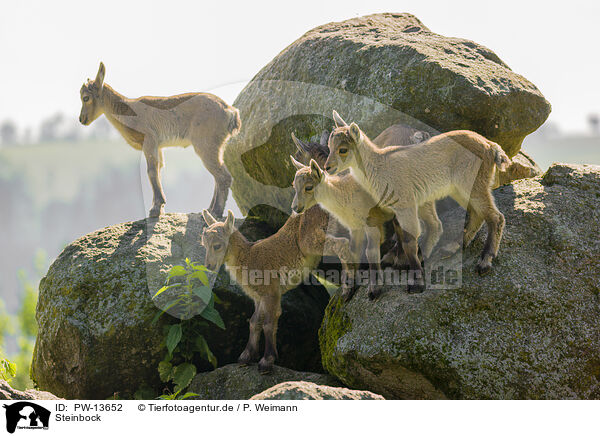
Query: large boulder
x,y
529,329
375,70
7,392
235,382
311,391
95,310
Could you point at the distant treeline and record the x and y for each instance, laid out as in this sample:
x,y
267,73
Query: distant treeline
x,y
57,127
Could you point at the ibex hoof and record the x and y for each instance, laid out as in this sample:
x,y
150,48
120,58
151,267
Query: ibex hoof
x,y
157,211
245,358
216,211
417,288
374,293
265,366
483,268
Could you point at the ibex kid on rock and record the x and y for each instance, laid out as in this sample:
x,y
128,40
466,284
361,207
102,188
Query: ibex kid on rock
x,y
280,262
460,164
151,123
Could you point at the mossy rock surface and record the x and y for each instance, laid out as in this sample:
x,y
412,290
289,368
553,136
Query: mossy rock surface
x,y
530,329
95,310
376,70
235,382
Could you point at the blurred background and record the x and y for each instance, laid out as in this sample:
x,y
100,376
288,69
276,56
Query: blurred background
x,y
60,180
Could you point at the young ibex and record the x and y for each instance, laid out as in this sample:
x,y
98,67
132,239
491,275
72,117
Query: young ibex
x,y
344,198
460,164
152,123
279,261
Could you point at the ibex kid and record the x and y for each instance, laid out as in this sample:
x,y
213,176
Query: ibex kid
x,y
351,205
152,123
460,164
280,261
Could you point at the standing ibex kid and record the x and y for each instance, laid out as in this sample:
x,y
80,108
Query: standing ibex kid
x,y
152,123
350,204
279,263
460,164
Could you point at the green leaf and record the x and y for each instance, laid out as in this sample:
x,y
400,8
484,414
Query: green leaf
x,y
211,314
8,369
176,271
188,395
204,292
199,267
169,306
204,350
165,371
169,396
173,337
164,288
156,317
183,375
200,275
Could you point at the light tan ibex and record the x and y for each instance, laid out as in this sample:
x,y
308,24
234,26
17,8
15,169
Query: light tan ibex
x,y
460,164
343,197
277,263
152,123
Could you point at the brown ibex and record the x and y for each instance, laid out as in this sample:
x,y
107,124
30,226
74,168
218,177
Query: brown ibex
x,y
278,263
151,123
460,164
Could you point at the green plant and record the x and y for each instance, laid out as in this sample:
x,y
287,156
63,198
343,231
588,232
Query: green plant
x,y
186,292
23,328
7,370
177,396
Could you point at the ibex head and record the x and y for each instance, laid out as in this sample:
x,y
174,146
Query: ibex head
x,y
91,91
312,150
215,239
342,145
305,182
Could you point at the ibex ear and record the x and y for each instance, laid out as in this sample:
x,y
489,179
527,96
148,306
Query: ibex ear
x,y
208,218
230,221
339,122
99,80
354,132
420,136
315,170
297,164
324,138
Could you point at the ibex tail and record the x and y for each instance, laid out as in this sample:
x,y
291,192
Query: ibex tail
x,y
235,123
500,157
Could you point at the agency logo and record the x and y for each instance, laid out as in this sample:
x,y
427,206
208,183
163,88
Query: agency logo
x,y
26,415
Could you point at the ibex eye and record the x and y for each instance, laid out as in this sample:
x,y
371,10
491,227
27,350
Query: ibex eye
x,y
343,150
308,188
86,99
217,246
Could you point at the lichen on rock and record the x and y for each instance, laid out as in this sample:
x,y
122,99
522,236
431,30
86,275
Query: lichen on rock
x,y
528,330
376,70
95,310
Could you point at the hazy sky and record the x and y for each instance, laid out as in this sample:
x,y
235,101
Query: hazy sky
x,y
48,48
